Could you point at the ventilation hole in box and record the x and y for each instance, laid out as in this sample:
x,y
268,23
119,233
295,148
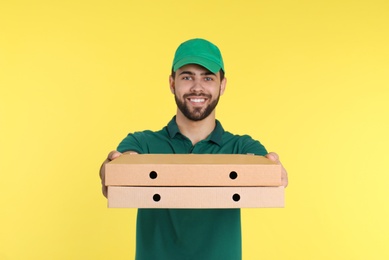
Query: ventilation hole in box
x,y
156,197
233,175
153,175
236,197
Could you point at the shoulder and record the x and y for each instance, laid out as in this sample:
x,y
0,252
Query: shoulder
x,y
146,134
243,143
139,141
237,138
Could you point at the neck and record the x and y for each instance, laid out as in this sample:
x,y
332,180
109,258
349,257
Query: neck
x,y
196,130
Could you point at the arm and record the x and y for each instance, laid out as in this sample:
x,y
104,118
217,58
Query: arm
x,y
284,175
111,156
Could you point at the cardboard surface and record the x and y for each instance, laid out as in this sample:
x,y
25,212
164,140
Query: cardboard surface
x,y
192,170
195,197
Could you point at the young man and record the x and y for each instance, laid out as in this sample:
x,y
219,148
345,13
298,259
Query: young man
x,y
197,82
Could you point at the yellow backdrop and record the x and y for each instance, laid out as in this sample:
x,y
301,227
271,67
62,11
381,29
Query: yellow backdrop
x,y
309,79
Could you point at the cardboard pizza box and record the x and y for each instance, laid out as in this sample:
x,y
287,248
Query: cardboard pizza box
x,y
192,170
195,197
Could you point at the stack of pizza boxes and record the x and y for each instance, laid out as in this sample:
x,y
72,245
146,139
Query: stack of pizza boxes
x,y
194,181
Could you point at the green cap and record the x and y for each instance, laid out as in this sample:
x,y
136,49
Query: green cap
x,y
200,52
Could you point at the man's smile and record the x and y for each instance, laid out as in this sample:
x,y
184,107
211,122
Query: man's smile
x,y
197,100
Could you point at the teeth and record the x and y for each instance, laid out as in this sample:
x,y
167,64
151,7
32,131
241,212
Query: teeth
x,y
197,100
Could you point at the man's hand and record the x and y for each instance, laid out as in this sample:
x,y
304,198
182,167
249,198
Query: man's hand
x,y
111,156
284,175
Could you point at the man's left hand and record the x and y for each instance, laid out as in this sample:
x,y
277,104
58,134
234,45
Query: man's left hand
x,y
284,175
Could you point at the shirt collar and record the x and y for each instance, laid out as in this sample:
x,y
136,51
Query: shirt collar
x,y
215,136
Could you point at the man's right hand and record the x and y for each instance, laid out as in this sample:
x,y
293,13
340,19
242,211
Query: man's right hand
x,y
111,156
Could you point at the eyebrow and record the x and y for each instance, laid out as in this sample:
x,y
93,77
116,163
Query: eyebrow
x,y
191,73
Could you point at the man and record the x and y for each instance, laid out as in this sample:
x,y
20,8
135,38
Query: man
x,y
197,82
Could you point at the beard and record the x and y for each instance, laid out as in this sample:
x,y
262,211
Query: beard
x,y
198,113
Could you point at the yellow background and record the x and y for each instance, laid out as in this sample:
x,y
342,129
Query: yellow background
x,y
309,79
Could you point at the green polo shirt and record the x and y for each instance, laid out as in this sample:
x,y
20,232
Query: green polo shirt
x,y
189,234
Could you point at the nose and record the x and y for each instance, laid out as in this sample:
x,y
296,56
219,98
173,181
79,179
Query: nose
x,y
197,86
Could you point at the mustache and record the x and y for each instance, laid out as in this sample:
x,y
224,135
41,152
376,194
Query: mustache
x,y
193,94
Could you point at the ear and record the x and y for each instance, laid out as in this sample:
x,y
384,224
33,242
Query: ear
x,y
172,84
223,86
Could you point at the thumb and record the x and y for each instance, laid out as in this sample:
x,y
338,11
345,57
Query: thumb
x,y
273,156
113,155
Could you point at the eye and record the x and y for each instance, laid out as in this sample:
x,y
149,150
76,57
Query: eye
x,y
208,78
187,78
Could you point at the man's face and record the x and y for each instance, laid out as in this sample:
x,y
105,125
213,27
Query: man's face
x,y
196,91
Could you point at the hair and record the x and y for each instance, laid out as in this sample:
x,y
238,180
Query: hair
x,y
173,74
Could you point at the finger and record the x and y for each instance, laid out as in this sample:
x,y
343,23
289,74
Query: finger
x,y
104,189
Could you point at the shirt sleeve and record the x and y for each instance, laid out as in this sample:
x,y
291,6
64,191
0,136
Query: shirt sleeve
x,y
249,145
131,142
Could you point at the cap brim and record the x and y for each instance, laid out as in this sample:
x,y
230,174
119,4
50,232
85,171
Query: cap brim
x,y
206,63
